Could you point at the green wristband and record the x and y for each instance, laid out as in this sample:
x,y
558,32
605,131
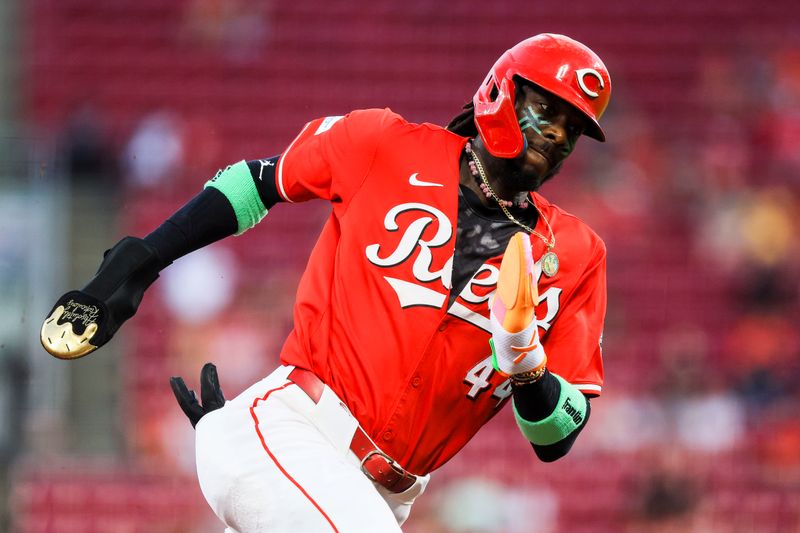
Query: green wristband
x,y
568,416
236,183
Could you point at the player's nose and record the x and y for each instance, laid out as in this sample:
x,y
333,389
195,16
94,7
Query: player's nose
x,y
556,131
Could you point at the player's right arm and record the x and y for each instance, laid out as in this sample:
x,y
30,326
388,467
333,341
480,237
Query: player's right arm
x,y
86,319
232,202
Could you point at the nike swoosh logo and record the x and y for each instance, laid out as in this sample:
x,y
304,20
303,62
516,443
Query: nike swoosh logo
x,y
413,180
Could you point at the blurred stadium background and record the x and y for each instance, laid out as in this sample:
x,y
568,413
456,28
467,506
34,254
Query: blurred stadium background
x,y
113,113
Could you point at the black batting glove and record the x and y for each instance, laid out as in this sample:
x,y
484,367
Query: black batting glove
x,y
84,320
210,394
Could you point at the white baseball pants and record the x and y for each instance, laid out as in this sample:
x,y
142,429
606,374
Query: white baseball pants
x,y
272,460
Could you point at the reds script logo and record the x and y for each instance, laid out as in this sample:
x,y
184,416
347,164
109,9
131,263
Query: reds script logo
x,y
412,294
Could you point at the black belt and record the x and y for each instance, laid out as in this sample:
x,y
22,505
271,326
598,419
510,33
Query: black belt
x,y
375,464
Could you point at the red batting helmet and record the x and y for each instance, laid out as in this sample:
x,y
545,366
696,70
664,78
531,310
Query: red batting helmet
x,y
557,64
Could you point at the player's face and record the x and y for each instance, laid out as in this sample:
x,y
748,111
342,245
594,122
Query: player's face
x,y
551,128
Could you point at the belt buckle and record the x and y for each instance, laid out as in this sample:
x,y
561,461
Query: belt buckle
x,y
392,463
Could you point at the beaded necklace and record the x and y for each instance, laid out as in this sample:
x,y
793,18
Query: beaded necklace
x,y
549,259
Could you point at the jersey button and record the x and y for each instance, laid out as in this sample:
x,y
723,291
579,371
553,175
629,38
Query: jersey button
x,y
416,381
387,435
442,327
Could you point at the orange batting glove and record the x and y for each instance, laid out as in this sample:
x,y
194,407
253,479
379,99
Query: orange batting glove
x,y
515,337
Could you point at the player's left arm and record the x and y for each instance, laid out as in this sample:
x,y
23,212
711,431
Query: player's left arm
x,y
552,411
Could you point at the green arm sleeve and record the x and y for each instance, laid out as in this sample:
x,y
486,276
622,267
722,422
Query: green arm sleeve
x,y
236,183
568,416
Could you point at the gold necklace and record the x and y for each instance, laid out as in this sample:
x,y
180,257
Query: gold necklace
x,y
550,261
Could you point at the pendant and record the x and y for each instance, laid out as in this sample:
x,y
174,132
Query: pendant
x,y
550,264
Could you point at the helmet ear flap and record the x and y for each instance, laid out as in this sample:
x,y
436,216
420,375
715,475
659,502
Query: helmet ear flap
x,y
496,118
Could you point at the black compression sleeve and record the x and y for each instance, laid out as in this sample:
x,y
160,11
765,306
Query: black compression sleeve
x,y
207,218
537,401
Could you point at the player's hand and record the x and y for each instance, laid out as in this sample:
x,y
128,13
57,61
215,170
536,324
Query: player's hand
x,y
210,394
515,336
84,320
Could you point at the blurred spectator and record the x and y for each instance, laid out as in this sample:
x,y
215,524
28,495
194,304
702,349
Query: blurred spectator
x,y
763,352
155,151
629,423
477,505
201,285
237,28
778,449
766,280
710,421
89,156
763,344
707,416
683,354
781,127
664,501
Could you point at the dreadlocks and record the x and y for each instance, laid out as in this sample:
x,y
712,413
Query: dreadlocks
x,y
464,123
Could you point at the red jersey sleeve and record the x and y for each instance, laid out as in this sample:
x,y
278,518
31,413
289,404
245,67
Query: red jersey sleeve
x,y
573,344
331,156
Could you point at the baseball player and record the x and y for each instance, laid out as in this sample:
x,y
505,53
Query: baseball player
x,y
442,285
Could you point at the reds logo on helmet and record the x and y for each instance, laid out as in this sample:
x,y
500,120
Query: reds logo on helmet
x,y
557,64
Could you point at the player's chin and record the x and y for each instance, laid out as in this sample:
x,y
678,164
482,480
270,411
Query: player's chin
x,y
536,163
527,178
534,170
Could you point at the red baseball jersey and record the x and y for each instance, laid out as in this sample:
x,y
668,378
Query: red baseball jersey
x,y
372,317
